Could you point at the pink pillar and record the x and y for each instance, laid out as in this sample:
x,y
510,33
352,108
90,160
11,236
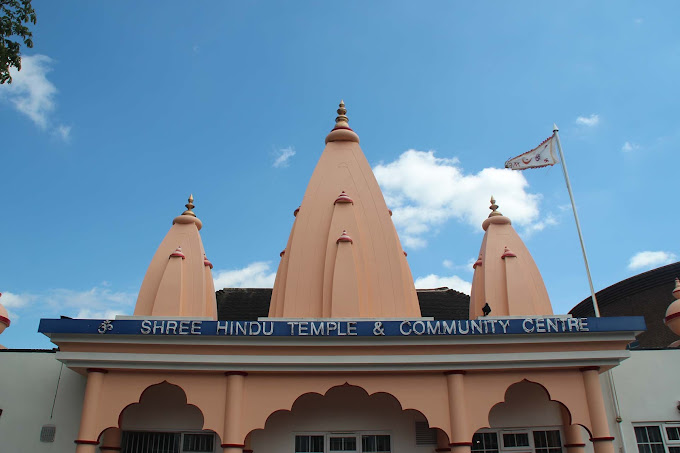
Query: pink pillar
x,y
233,407
602,441
461,440
111,440
87,436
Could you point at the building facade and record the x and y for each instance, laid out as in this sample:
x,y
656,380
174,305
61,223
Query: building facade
x,y
345,360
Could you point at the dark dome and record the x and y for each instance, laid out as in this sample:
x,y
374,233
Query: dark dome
x,y
648,294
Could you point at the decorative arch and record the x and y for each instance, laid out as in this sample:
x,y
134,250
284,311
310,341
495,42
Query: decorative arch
x,y
343,407
564,389
267,394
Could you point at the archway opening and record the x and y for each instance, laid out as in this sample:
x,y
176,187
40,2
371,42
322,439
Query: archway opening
x,y
346,419
163,421
527,421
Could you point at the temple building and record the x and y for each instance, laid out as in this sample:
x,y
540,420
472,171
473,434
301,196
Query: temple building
x,y
343,355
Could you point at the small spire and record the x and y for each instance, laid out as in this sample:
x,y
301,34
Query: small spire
x,y
676,291
343,198
178,253
494,208
342,115
344,237
507,253
478,262
206,261
190,206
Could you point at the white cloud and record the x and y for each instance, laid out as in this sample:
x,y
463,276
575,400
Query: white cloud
x,y
650,260
437,281
628,147
255,275
283,155
447,264
63,132
549,220
588,121
32,94
424,191
97,302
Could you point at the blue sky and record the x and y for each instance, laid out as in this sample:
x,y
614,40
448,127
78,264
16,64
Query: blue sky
x,y
124,108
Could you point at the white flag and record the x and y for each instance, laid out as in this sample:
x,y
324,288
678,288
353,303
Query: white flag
x,y
541,156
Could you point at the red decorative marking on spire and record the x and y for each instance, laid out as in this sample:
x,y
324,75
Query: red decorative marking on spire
x,y
344,237
478,262
296,211
283,252
178,252
405,254
206,261
390,211
343,198
507,253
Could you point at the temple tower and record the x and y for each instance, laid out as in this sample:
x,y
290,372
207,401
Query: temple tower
x,y
179,282
506,276
343,257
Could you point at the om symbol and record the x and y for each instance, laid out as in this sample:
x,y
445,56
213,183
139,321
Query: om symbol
x,y
378,328
105,326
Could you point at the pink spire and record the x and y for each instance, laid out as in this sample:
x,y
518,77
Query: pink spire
x,y
206,261
507,253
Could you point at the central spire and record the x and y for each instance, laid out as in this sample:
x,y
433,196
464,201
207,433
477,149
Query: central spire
x,y
343,258
342,131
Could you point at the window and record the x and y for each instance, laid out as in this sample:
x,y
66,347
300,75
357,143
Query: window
x,y
342,443
375,443
308,444
513,440
485,442
649,439
547,442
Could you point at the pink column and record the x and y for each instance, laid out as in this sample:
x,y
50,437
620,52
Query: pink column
x,y
602,441
461,440
87,436
233,407
111,440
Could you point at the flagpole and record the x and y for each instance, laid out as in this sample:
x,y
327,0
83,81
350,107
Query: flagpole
x,y
578,224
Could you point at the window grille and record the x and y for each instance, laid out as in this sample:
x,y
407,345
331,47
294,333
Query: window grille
x,y
198,443
150,442
47,433
343,443
425,435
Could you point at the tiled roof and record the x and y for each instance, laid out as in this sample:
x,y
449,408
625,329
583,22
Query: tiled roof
x,y
248,304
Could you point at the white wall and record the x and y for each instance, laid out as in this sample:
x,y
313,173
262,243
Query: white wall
x,y
28,382
648,390
343,409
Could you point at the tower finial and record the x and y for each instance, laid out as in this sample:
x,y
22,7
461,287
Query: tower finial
x,y
190,206
341,119
494,208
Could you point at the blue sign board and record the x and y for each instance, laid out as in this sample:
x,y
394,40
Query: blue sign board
x,y
342,328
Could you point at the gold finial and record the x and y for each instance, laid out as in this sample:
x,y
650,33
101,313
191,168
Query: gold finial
x,y
342,111
190,206
494,208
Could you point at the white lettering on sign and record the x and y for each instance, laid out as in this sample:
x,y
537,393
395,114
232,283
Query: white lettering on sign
x,y
379,328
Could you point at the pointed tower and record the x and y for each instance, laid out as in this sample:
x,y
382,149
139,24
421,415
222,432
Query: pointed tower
x,y
343,257
4,320
179,282
506,276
